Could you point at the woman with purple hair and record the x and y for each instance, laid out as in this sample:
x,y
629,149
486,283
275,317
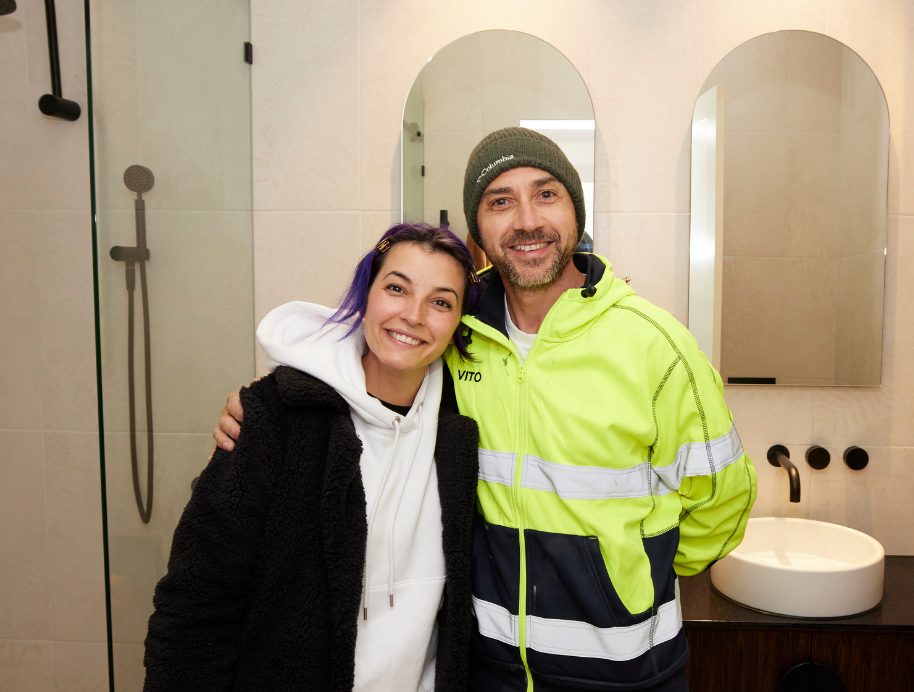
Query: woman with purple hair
x,y
330,549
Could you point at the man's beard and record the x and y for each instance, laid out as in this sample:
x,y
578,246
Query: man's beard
x,y
549,272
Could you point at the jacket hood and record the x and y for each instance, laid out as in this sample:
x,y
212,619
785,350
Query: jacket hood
x,y
297,334
560,323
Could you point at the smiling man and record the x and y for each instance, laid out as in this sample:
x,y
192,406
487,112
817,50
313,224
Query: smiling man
x,y
608,460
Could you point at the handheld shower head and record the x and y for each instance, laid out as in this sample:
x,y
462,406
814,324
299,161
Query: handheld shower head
x,y
137,178
7,7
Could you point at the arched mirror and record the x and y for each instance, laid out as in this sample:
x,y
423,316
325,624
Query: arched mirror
x,y
789,182
476,85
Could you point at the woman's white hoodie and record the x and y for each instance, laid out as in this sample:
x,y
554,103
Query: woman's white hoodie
x,y
404,572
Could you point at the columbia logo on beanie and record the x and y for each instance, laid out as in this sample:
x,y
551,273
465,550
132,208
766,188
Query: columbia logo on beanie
x,y
492,165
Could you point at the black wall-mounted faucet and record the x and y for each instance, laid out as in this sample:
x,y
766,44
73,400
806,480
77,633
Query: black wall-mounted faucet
x,y
778,455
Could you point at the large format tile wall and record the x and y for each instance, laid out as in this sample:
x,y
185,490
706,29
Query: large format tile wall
x,y
52,607
329,85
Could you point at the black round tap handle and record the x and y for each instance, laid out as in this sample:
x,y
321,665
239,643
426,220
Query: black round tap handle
x,y
856,458
818,457
772,456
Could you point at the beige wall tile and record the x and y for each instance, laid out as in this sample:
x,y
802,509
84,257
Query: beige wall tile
x,y
757,85
868,500
752,317
646,52
77,568
15,112
20,355
387,70
771,415
25,608
814,87
732,22
195,124
653,250
58,149
307,256
201,317
67,319
755,194
567,30
305,106
26,666
80,666
813,194
810,294
372,225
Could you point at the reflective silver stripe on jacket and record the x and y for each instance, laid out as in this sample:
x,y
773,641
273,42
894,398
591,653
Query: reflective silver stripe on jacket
x,y
496,467
600,483
572,638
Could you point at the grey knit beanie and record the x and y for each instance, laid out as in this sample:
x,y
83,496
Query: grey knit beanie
x,y
514,147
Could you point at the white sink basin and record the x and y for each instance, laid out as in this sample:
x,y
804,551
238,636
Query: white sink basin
x,y
803,568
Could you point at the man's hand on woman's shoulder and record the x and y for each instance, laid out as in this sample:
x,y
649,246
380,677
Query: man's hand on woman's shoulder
x,y
229,426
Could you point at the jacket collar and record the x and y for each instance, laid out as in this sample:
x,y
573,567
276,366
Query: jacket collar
x,y
597,274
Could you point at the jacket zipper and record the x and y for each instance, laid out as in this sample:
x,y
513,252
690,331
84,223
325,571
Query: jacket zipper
x,y
520,424
520,499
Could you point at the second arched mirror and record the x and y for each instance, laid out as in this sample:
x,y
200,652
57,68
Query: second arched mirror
x,y
476,85
790,142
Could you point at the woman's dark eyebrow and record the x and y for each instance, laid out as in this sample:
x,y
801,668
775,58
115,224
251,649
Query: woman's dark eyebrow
x,y
409,281
400,274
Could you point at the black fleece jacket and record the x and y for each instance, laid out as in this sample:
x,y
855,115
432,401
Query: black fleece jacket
x,y
265,576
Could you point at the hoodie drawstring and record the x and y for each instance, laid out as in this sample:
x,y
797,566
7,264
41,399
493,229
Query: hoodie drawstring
x,y
393,515
374,509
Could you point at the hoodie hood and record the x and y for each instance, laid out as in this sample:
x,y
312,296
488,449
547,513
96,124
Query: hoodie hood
x,y
297,334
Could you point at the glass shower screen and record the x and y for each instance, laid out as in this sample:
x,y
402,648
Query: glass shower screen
x,y
171,134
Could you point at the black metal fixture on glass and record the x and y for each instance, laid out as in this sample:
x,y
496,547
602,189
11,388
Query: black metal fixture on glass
x,y
856,458
7,7
138,179
818,457
778,455
54,104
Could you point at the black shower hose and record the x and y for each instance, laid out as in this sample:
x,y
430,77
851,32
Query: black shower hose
x,y
144,509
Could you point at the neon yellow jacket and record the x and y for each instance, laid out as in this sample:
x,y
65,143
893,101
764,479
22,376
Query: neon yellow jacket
x,y
608,463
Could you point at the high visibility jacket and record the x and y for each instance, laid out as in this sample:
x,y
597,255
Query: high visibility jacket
x,y
608,464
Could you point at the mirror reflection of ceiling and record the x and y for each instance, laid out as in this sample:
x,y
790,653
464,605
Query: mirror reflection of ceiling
x,y
805,168
476,85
